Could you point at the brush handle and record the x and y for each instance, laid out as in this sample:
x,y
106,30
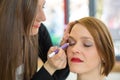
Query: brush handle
x,y
56,51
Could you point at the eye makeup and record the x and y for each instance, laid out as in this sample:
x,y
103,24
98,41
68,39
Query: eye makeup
x,y
88,43
71,41
84,42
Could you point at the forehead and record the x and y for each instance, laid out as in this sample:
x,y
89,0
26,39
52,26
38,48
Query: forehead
x,y
41,2
79,30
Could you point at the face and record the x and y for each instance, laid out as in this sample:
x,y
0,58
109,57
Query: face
x,y
40,16
82,53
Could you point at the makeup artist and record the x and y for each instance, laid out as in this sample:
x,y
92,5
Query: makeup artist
x,y
19,24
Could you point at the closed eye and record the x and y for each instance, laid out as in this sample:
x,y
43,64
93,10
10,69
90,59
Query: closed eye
x,y
88,44
71,42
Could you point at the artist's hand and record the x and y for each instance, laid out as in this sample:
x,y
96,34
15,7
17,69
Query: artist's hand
x,y
56,62
66,33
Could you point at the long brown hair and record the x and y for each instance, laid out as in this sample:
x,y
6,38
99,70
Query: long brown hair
x,y
103,41
16,19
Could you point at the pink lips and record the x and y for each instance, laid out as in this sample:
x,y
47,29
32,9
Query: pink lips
x,y
36,26
77,60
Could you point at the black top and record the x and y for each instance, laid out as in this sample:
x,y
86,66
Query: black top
x,y
44,45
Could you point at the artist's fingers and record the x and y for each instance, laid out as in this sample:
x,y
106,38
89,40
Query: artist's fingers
x,y
52,49
64,39
66,33
58,61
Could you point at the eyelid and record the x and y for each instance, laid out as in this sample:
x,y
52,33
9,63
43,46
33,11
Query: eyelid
x,y
88,44
71,41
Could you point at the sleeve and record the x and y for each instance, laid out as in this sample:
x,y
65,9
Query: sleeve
x,y
42,74
44,44
44,41
61,74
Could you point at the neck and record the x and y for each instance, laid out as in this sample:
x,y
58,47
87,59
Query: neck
x,y
91,75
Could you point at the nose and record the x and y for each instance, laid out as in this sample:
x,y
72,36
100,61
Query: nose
x,y
41,16
76,48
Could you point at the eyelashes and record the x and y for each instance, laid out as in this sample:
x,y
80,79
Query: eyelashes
x,y
71,42
85,44
43,6
88,44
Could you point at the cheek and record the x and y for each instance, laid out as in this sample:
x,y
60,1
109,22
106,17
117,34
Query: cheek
x,y
93,58
69,53
92,53
34,31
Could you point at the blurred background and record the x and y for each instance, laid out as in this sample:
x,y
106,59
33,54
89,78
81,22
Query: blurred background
x,y
60,12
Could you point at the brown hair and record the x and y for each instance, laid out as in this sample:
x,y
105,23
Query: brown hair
x,y
16,18
103,41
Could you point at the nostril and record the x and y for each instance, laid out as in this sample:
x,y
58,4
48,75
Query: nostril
x,y
75,49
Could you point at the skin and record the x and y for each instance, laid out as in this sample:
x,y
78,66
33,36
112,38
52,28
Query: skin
x,y
83,57
40,17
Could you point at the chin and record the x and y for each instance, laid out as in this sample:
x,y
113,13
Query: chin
x,y
34,32
73,70
76,70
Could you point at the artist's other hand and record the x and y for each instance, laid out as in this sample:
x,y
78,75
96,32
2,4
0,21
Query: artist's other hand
x,y
66,33
57,62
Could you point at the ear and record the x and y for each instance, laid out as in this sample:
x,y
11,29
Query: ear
x,y
103,61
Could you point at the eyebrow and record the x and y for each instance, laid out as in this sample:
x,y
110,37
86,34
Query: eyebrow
x,y
87,38
83,37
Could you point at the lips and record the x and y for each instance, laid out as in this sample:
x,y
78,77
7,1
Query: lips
x,y
77,60
36,26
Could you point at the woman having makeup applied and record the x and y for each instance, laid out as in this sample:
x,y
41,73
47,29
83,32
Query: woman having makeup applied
x,y
91,51
19,24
